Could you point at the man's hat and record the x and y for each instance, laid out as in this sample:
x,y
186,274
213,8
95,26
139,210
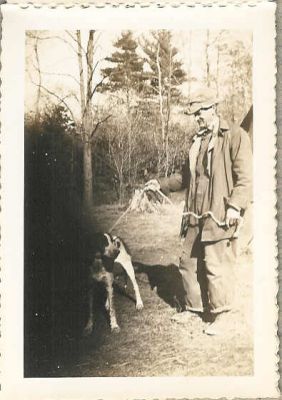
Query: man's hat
x,y
202,98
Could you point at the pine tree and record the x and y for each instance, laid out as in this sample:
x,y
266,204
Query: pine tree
x,y
162,60
127,70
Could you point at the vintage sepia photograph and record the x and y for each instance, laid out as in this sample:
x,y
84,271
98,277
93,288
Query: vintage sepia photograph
x,y
138,203
138,199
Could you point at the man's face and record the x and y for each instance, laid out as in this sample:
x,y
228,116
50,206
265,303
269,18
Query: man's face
x,y
205,117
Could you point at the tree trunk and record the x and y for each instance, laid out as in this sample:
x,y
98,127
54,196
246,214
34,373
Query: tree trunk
x,y
121,188
72,169
190,64
168,115
90,55
129,132
207,59
88,175
217,71
38,95
86,115
233,90
81,74
161,96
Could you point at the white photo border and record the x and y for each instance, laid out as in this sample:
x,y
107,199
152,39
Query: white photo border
x,y
260,19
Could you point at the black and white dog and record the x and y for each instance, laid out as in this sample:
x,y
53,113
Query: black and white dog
x,y
109,250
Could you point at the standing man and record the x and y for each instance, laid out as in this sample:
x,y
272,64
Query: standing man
x,y
218,192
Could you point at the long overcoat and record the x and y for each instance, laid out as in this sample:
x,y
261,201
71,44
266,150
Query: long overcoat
x,y
230,179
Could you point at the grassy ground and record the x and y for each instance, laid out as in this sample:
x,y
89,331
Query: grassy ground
x,y
150,342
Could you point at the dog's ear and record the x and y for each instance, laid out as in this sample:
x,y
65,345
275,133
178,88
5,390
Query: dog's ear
x,y
117,242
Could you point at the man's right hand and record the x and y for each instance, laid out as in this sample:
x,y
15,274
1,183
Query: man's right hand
x,y
232,217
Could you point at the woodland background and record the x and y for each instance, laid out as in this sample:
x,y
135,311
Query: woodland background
x,y
117,101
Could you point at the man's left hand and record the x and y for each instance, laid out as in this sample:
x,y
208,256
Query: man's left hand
x,y
232,217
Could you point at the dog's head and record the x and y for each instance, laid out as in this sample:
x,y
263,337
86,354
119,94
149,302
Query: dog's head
x,y
117,242
106,245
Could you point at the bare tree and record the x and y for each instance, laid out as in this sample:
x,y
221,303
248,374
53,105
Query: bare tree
x,y
39,77
34,39
168,99
190,63
160,94
88,124
86,114
165,77
207,61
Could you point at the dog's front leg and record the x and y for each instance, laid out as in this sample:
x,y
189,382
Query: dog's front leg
x,y
89,326
127,265
110,303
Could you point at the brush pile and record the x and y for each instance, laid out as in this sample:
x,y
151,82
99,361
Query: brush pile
x,y
149,199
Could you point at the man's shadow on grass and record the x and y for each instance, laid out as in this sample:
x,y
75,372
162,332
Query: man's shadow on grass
x,y
166,280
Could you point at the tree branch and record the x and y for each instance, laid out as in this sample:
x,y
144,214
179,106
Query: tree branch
x,y
54,37
92,94
98,124
61,99
78,42
57,74
94,68
96,87
39,76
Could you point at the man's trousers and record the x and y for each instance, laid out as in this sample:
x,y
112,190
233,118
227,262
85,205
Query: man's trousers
x,y
207,269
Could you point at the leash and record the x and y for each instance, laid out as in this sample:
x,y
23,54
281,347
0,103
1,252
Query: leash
x,y
164,196
120,218
219,223
204,215
146,189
